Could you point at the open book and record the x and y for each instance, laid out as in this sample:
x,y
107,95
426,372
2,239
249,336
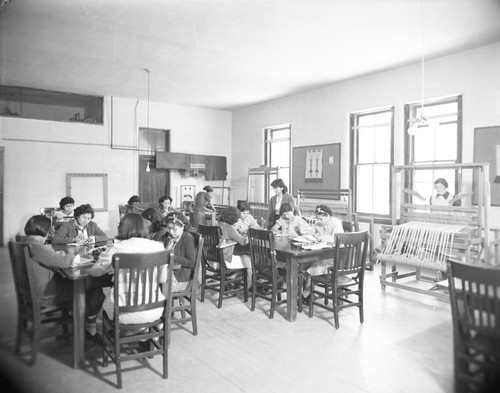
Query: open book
x,y
309,242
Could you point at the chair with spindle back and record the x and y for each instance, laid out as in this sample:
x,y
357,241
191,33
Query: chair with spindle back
x,y
137,288
32,312
475,307
345,278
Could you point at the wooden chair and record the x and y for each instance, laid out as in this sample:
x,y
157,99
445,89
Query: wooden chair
x,y
138,275
216,276
475,306
189,294
267,278
31,313
345,278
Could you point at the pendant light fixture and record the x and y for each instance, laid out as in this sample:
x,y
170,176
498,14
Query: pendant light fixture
x,y
148,71
421,121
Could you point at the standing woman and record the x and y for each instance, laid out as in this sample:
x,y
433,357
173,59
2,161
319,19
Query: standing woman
x,y
202,205
281,197
80,229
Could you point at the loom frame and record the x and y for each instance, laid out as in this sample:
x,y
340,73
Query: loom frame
x,y
474,242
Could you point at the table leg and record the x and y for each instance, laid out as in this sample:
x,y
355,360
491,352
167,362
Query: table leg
x,y
291,289
78,323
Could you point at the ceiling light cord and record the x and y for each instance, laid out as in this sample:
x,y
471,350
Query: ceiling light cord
x,y
147,131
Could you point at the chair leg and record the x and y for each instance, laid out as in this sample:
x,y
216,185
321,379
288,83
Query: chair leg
x,y
183,311
221,291
202,291
21,327
193,315
273,301
301,289
245,284
35,341
311,298
118,364
254,289
360,299
336,303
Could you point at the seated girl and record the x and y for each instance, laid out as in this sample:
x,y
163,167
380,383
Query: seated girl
x,y
65,211
165,203
80,229
181,241
324,229
132,238
289,224
155,223
52,287
246,220
236,257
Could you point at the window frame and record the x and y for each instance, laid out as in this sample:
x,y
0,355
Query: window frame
x,y
267,149
410,110
354,159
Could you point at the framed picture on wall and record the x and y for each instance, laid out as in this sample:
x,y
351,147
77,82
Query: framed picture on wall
x,y
187,193
316,167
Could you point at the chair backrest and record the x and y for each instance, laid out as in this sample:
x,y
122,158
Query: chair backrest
x,y
262,249
212,236
137,279
350,226
350,252
25,285
475,300
198,243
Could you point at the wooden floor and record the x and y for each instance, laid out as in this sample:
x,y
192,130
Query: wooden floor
x,y
405,345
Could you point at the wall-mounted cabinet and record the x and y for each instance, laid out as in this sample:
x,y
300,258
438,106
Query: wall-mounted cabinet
x,y
40,104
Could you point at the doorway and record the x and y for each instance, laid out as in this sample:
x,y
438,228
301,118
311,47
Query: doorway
x,y
156,182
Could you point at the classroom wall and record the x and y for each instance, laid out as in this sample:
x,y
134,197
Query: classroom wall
x,y
322,116
39,154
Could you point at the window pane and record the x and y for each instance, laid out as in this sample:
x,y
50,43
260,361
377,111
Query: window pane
x,y
364,188
446,140
383,117
366,143
280,153
279,134
382,144
381,182
441,109
366,120
424,145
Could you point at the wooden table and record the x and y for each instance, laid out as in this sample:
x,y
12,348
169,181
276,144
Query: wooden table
x,y
78,277
293,257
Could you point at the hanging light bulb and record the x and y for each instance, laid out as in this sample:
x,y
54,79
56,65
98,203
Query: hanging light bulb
x,y
421,122
148,71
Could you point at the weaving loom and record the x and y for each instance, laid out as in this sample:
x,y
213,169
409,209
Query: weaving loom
x,y
339,200
428,235
425,245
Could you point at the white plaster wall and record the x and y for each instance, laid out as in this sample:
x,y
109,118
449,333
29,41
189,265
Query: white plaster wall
x,y
322,116
38,154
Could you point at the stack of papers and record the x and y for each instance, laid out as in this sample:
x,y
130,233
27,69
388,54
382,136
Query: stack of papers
x,y
309,242
317,246
80,261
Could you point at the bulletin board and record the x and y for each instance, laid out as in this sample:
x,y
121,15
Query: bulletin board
x,y
88,188
316,167
487,149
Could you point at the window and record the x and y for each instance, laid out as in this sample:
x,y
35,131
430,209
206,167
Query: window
x,y
371,159
278,151
39,104
440,143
